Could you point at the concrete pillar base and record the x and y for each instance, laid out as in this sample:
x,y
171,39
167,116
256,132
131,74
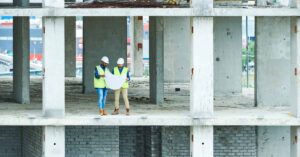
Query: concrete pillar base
x,y
54,141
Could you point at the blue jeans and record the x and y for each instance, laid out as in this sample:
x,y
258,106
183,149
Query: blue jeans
x,y
102,93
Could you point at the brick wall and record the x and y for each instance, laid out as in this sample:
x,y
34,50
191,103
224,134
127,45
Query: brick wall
x,y
132,142
127,141
175,141
140,141
152,136
235,141
32,143
10,141
92,141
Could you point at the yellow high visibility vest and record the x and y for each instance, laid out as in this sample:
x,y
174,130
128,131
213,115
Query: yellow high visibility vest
x,y
100,83
124,72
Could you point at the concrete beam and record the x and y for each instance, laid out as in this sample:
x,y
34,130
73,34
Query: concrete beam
x,y
54,67
62,12
70,46
138,46
54,141
227,55
98,34
21,49
272,61
156,56
53,3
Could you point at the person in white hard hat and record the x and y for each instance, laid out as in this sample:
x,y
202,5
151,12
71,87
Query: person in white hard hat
x,y
120,70
100,85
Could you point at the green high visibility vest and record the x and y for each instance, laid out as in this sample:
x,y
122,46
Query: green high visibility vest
x,y
100,83
124,72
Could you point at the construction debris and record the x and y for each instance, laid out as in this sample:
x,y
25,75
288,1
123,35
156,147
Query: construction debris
x,y
125,4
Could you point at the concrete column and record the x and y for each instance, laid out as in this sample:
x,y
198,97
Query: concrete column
x,y
227,55
156,55
177,49
202,141
202,89
54,80
295,146
273,73
272,61
21,48
295,84
70,46
54,67
131,47
103,36
54,141
138,46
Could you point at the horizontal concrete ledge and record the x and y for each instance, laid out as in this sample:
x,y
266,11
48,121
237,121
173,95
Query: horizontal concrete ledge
x,y
141,120
61,12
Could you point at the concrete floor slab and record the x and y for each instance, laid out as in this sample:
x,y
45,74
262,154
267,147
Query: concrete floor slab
x,y
81,109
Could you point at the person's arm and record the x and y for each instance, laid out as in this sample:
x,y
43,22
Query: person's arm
x,y
128,76
96,74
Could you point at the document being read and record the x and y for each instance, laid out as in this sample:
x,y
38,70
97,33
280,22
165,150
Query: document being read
x,y
114,82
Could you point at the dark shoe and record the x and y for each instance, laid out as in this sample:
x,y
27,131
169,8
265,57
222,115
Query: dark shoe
x,y
127,112
116,112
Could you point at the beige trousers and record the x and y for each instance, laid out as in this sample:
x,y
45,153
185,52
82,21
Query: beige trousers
x,y
125,97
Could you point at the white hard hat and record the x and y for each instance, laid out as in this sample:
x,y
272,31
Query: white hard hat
x,y
120,61
105,59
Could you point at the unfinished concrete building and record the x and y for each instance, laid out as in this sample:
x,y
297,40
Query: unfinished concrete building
x,y
194,45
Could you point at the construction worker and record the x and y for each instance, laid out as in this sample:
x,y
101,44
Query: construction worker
x,y
100,85
121,70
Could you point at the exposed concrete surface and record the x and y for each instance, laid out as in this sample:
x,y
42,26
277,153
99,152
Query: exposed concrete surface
x,y
81,109
54,141
227,55
273,141
177,49
273,61
53,66
103,36
70,46
138,51
149,12
21,49
156,59
294,69
202,72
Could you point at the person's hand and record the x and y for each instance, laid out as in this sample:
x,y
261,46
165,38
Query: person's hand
x,y
127,79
